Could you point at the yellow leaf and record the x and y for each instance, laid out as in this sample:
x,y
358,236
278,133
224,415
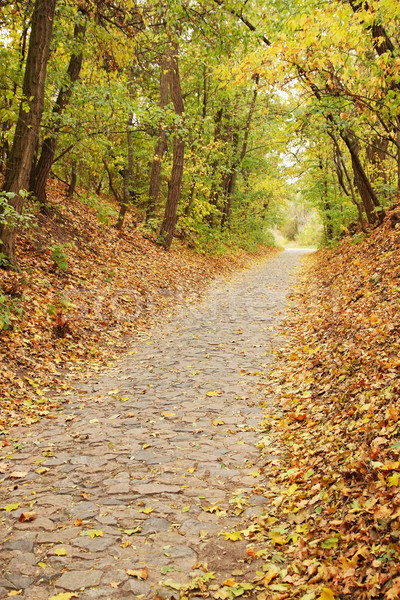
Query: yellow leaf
x,y
191,470
42,470
139,573
93,533
213,393
327,594
218,422
14,593
147,510
234,537
115,584
64,596
146,446
60,552
126,543
10,507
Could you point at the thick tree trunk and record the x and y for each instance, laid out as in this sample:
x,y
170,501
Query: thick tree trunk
x,y
42,169
19,164
155,177
369,198
171,209
342,169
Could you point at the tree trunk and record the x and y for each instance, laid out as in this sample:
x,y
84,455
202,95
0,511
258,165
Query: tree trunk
x,y
155,177
368,196
72,185
342,169
42,169
19,163
171,209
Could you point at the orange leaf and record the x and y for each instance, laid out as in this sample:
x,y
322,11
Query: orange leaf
x,y
27,516
229,582
139,573
269,576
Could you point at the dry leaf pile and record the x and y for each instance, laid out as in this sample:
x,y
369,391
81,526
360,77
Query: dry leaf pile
x,y
82,291
333,528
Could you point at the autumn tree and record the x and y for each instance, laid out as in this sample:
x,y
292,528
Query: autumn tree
x,y
19,163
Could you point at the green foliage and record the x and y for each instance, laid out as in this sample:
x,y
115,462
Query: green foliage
x,y
9,307
105,213
9,215
59,256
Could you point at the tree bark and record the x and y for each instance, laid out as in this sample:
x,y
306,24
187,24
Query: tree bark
x,y
19,163
40,172
155,177
171,209
72,184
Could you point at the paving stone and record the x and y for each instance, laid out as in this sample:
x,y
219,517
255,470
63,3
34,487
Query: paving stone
x,y
136,587
75,580
97,544
155,524
84,510
24,545
20,582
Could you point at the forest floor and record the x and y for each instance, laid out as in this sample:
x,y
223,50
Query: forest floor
x,y
229,453
140,485
83,292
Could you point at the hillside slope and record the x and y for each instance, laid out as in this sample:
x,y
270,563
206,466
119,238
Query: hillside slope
x,y
83,290
334,519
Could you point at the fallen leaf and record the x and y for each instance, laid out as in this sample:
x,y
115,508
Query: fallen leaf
x,y
60,552
213,393
139,573
326,594
115,584
64,596
93,533
18,474
10,507
236,536
27,516
269,576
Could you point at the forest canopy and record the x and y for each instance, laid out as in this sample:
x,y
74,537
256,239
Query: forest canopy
x,y
211,121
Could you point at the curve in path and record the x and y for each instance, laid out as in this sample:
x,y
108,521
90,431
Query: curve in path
x,y
141,473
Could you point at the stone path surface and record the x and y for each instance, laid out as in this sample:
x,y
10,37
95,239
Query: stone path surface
x,y
134,480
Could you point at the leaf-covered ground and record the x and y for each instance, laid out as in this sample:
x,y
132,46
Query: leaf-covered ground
x,y
333,528
82,291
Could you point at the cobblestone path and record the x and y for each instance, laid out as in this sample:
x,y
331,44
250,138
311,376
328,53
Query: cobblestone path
x,y
139,473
